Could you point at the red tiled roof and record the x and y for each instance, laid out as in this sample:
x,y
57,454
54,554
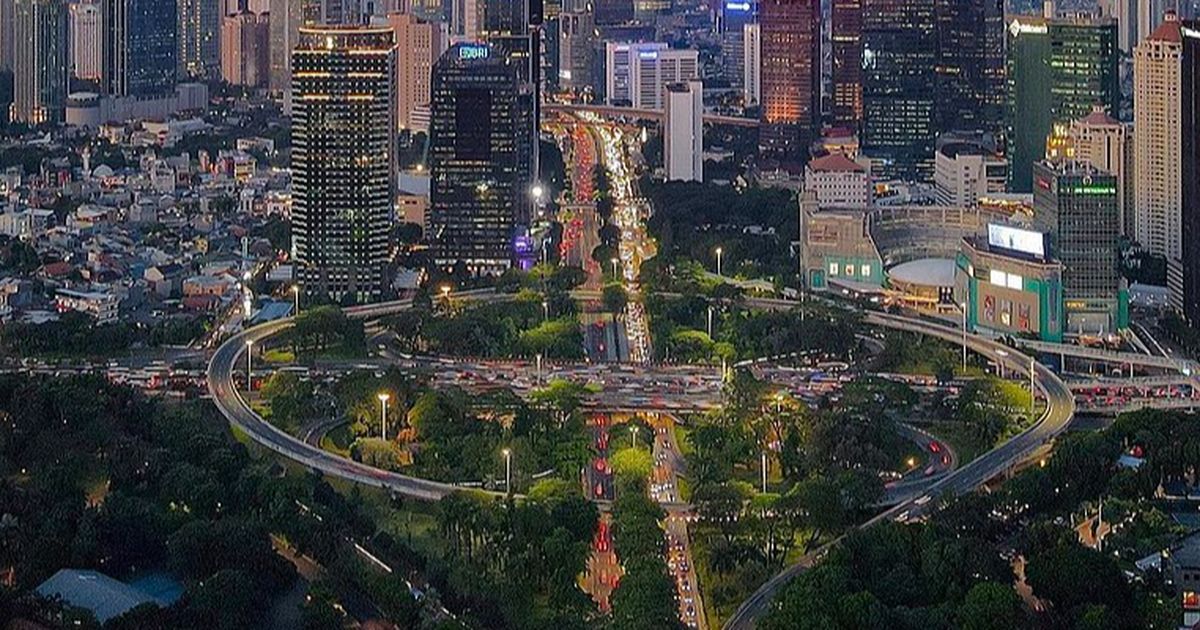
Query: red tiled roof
x,y
1168,31
57,268
836,162
1099,117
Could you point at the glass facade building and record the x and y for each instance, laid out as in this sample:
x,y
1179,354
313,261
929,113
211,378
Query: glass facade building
x,y
480,146
39,61
847,58
790,76
970,66
140,47
343,160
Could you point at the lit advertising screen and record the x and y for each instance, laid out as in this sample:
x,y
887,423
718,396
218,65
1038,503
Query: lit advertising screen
x,y
1017,240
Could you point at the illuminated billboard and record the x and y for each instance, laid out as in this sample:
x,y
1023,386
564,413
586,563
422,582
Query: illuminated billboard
x,y
1017,240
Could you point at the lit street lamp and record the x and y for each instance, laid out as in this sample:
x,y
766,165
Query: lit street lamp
x,y
614,266
635,432
507,470
383,400
296,297
710,314
249,372
764,471
545,310
718,261
446,292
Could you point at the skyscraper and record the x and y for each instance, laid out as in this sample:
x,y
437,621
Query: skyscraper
x,y
199,23
244,49
790,76
734,16
418,46
752,65
343,159
683,137
1157,120
479,151
86,39
970,65
576,49
1076,204
899,81
1183,278
1107,144
286,18
140,47
1058,69
609,12
39,61
847,57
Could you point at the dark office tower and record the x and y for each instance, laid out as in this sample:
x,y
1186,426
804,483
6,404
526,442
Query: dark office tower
x,y
286,18
1057,71
343,162
970,67
899,66
199,25
39,61
1076,204
790,77
610,12
1187,297
734,15
846,41
140,47
479,158
507,28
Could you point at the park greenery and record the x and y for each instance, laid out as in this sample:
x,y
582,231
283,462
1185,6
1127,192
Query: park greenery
x,y
323,331
531,323
645,597
953,572
93,476
754,227
76,335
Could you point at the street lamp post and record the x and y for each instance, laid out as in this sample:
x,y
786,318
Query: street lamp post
x,y
613,261
710,314
764,471
249,369
545,310
964,338
507,470
718,261
538,358
296,297
635,432
1032,391
383,400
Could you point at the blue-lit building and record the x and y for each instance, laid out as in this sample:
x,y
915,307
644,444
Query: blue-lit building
x,y
480,156
140,48
734,16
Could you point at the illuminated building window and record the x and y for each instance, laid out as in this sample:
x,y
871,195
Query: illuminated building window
x,y
833,269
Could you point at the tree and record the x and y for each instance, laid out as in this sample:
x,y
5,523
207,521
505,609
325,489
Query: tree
x,y
376,452
614,298
990,606
632,463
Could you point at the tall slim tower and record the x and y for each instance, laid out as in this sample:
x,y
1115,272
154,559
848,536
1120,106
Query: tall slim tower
x,y
846,41
683,137
790,76
343,159
899,81
86,39
199,23
418,46
752,64
39,61
286,18
479,159
140,47
1157,120
1183,277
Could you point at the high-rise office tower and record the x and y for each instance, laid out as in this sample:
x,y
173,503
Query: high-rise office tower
x,y
847,59
466,20
1183,277
419,45
752,65
1076,204
86,41
1107,144
6,35
899,81
637,73
479,152
790,77
343,159
576,49
286,18
1157,120
39,60
970,65
733,16
1058,70
245,40
140,47
196,37
683,132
